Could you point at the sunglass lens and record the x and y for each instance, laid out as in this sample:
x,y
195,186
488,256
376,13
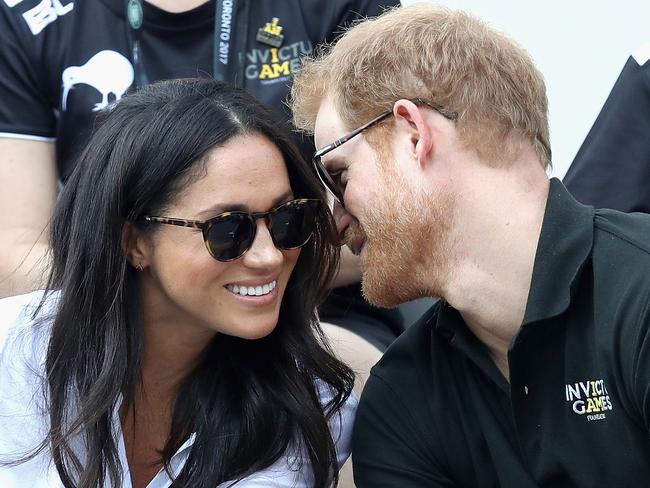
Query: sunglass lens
x,y
230,236
327,180
293,223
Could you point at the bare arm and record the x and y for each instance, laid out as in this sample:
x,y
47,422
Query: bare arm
x,y
28,188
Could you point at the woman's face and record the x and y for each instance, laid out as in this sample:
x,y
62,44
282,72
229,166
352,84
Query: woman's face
x,y
182,285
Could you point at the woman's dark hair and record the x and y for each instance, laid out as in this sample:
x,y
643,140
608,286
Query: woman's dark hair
x,y
248,401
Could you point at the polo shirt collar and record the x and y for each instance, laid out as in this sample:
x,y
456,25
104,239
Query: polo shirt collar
x,y
564,247
451,326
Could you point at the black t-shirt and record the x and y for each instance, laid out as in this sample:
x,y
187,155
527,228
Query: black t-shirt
x,y
612,168
437,412
60,63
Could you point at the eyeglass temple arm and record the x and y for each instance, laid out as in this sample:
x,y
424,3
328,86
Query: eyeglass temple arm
x,y
352,134
449,114
195,224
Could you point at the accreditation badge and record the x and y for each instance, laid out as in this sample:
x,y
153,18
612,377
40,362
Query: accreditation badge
x,y
271,33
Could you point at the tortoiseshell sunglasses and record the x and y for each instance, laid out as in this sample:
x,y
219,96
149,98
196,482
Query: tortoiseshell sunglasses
x,y
230,234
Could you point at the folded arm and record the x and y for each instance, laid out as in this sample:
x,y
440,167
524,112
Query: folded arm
x,y
28,188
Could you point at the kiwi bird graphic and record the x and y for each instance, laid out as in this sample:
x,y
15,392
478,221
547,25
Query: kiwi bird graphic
x,y
107,71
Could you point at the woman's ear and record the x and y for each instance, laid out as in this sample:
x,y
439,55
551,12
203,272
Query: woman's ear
x,y
134,246
410,119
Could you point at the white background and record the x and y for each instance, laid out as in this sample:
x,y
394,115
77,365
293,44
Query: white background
x,y
579,46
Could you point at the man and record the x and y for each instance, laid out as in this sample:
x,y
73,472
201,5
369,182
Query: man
x,y
62,61
534,368
612,168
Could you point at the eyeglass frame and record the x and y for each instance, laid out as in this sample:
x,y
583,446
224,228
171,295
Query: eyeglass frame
x,y
205,225
332,187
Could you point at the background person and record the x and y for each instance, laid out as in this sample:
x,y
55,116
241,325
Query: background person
x,y
612,167
533,369
178,338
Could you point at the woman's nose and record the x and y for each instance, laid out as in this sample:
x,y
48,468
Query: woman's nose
x,y
263,253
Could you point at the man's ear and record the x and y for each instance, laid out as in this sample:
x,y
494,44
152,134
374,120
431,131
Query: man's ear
x,y
410,118
134,246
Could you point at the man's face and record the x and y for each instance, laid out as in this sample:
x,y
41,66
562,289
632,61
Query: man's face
x,y
394,225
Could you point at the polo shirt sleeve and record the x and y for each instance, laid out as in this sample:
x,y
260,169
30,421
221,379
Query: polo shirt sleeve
x,y
25,109
23,345
641,369
612,167
388,444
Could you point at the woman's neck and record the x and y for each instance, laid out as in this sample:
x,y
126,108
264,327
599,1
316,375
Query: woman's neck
x,y
170,354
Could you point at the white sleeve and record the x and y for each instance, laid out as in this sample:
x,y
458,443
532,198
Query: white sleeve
x,y
12,314
23,345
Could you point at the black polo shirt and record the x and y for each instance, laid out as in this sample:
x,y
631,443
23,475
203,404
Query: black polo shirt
x,y
436,411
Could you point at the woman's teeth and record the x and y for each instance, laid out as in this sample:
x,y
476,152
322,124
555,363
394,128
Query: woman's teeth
x,y
256,291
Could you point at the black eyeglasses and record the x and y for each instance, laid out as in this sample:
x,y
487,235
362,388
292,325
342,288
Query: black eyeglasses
x,y
330,180
230,234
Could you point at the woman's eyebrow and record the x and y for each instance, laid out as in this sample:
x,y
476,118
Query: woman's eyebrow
x,y
240,207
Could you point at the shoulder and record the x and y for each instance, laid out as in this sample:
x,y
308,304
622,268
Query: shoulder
x,y
32,17
401,430
621,253
411,351
621,265
293,468
626,231
24,335
400,387
341,421
20,318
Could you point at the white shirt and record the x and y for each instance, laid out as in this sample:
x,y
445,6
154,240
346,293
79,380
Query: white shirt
x,y
24,420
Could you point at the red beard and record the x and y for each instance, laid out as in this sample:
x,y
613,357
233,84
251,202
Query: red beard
x,y
407,250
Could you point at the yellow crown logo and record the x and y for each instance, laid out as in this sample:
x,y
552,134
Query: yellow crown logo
x,y
273,27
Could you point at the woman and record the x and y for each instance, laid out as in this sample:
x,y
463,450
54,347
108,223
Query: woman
x,y
177,343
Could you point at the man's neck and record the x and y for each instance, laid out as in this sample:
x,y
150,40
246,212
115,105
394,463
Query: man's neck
x,y
502,211
176,6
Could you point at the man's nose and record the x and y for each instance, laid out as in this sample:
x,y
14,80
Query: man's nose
x,y
342,218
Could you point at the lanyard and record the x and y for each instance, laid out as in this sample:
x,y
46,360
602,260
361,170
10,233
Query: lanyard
x,y
229,40
230,36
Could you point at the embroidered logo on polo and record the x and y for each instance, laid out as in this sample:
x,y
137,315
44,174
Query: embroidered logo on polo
x,y
588,398
109,72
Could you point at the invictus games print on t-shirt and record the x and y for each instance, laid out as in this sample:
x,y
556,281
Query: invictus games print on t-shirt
x,y
61,62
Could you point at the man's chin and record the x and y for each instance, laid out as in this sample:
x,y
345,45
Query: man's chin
x,y
382,292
